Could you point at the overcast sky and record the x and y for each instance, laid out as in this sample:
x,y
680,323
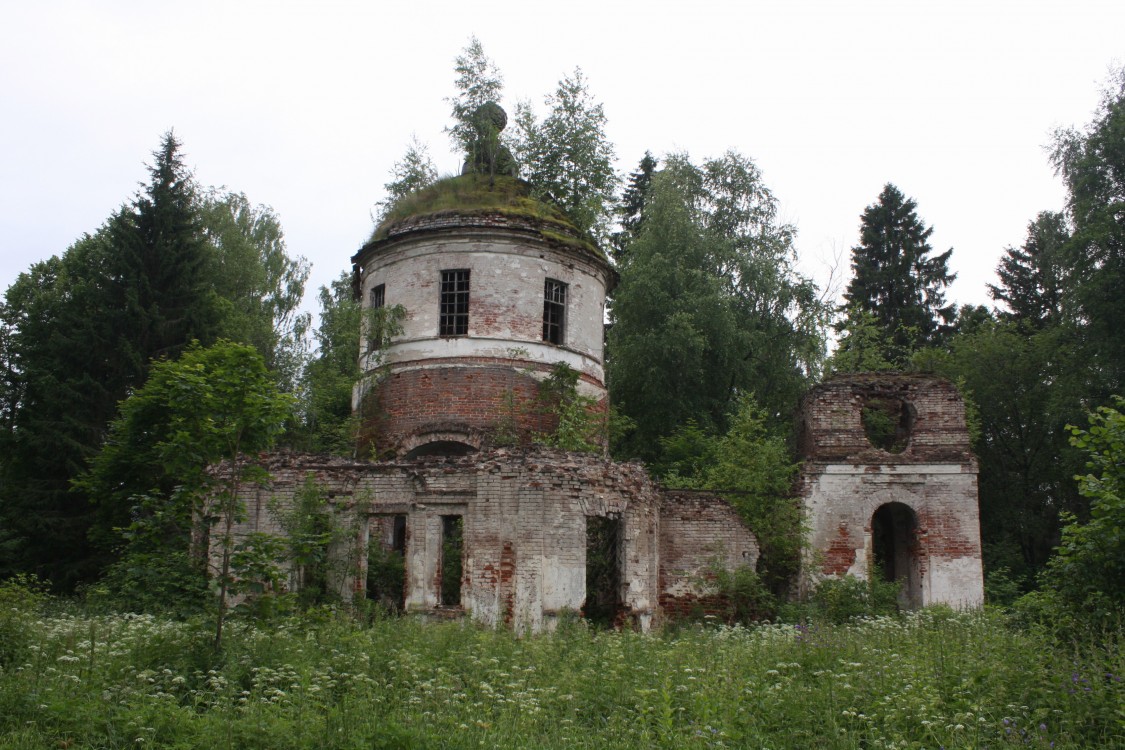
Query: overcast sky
x,y
305,107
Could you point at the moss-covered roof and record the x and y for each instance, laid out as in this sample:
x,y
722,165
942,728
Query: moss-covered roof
x,y
480,195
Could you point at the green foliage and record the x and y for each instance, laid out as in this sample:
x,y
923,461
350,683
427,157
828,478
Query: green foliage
x,y
80,330
929,679
883,424
414,172
211,404
1022,386
709,306
896,279
478,82
632,207
83,329
839,600
386,576
864,345
753,470
164,581
21,599
1000,588
1033,278
260,287
1086,577
1092,164
327,421
312,531
567,157
580,425
154,479
747,596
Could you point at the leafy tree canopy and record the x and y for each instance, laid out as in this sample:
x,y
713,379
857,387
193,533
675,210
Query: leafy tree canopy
x,y
709,305
567,157
212,404
1092,163
413,172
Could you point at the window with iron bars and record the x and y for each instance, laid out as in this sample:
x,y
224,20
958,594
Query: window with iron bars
x,y
554,311
453,319
378,300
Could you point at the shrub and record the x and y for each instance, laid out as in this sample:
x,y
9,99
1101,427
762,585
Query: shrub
x,y
838,600
748,598
20,599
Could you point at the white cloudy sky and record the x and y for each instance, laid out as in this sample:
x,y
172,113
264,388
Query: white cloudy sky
x,y
306,106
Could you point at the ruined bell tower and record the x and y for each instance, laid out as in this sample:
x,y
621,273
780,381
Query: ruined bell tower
x,y
889,486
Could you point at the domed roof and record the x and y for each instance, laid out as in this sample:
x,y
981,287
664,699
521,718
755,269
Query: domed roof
x,y
480,200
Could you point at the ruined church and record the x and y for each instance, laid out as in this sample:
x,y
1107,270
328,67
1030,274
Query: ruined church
x,y
497,290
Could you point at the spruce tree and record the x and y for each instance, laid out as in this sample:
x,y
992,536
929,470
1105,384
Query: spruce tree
x,y
1032,277
632,207
895,276
161,270
82,330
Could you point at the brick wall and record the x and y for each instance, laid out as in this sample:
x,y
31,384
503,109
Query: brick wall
x,y
832,424
699,532
845,480
479,403
524,529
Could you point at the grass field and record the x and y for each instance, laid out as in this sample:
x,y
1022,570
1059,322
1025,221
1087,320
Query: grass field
x,y
930,679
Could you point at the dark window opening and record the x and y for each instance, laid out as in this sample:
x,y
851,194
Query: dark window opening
x,y
452,552
554,311
887,422
377,299
441,448
603,571
894,547
386,561
454,313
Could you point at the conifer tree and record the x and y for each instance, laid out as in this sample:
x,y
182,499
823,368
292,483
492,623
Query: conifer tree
x,y
896,278
1032,277
160,266
632,207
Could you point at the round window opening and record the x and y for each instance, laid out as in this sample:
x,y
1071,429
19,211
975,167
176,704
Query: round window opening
x,y
887,422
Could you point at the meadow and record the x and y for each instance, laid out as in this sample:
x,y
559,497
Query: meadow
x,y
929,679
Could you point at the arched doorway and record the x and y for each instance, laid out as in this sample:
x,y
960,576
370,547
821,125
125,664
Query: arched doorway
x,y
894,551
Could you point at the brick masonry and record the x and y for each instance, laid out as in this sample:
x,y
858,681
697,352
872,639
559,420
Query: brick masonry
x,y
428,384
524,532
846,479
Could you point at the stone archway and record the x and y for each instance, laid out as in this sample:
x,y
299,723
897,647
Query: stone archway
x,y
895,551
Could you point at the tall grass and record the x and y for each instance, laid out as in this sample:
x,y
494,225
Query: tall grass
x,y
930,679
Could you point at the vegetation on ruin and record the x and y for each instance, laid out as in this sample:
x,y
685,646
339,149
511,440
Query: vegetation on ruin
x,y
484,195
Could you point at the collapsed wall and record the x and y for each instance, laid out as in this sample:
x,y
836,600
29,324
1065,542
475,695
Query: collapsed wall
x,y
520,528
890,486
